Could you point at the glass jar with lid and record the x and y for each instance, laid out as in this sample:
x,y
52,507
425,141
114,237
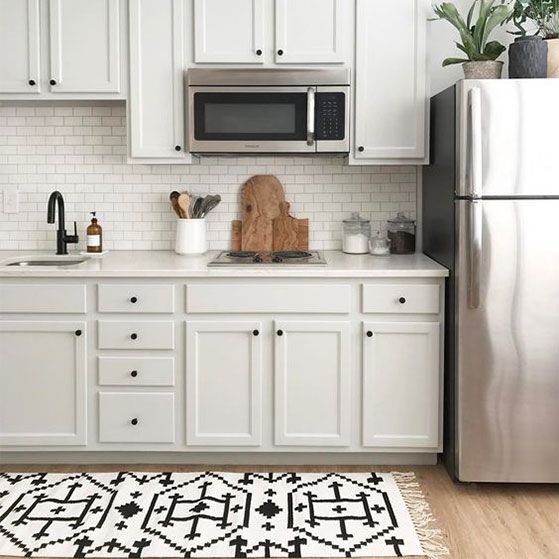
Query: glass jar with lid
x,y
356,234
401,232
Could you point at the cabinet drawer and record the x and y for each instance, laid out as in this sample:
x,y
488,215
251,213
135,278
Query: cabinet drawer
x,y
401,299
136,298
136,418
268,299
136,334
43,298
136,371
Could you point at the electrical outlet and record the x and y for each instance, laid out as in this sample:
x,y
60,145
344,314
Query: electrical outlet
x,y
11,201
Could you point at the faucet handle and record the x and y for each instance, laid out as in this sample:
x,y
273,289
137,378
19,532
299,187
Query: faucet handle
x,y
73,239
75,230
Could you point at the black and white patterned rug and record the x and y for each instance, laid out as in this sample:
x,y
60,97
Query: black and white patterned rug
x,y
213,514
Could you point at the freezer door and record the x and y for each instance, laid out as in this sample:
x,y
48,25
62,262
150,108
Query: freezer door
x,y
508,341
508,141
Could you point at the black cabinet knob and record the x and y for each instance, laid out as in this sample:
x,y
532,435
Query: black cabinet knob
x,y
361,148
52,82
369,334
133,299
402,300
134,374
78,332
177,148
134,421
255,332
280,52
31,82
259,52
134,336
280,332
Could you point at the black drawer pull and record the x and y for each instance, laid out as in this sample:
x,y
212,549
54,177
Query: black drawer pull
x,y
259,52
133,299
78,332
402,300
280,52
134,421
134,336
369,334
134,374
255,332
280,332
32,82
52,82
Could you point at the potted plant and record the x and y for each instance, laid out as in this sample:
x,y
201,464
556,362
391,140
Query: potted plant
x,y
480,61
545,15
528,53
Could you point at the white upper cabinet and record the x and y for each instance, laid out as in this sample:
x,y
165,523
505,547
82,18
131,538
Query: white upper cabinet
x,y
229,31
223,383
42,383
401,384
157,64
309,32
390,81
19,46
312,383
84,46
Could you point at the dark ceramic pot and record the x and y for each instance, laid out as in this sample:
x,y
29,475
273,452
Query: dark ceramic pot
x,y
528,58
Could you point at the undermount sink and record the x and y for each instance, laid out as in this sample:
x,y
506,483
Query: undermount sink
x,y
48,261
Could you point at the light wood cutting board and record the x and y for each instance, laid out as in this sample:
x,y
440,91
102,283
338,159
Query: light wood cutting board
x,y
261,197
290,233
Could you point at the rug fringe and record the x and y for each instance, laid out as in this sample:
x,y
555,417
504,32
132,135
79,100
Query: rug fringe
x,y
430,536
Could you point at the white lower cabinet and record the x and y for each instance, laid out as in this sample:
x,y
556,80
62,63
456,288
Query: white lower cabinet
x,y
42,383
401,384
312,383
223,383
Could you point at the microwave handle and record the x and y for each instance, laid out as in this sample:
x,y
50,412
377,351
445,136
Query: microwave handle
x,y
310,115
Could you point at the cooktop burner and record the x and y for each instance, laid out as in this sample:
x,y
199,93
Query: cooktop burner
x,y
285,257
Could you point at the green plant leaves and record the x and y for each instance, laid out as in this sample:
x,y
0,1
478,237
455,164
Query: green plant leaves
x,y
450,61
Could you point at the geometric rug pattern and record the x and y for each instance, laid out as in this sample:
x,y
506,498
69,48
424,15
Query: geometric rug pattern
x,y
204,514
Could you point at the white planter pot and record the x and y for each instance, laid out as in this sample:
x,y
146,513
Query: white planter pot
x,y
552,58
191,236
483,70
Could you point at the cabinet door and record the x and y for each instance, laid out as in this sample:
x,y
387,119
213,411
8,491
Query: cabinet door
x,y
19,46
84,46
312,383
390,96
309,31
231,31
401,384
157,45
223,383
42,383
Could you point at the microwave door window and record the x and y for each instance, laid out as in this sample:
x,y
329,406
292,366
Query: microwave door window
x,y
250,116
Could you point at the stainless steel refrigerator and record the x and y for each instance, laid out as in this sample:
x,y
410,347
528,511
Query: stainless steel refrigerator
x,y
491,215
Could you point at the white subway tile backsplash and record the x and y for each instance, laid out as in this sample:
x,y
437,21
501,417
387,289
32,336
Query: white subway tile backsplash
x,y
81,151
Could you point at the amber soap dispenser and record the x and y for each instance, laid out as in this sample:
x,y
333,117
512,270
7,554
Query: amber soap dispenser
x,y
94,235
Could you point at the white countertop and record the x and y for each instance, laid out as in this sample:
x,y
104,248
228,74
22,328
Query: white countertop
x,y
168,264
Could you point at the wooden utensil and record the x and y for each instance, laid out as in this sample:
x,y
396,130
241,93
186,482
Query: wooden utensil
x,y
184,204
174,198
261,197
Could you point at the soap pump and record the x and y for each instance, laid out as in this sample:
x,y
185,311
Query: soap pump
x,y
94,235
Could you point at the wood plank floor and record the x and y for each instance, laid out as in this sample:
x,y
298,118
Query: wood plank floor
x,y
479,521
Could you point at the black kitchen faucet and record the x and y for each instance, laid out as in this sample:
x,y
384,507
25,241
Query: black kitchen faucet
x,y
62,239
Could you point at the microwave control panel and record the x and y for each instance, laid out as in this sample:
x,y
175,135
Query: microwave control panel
x,y
330,116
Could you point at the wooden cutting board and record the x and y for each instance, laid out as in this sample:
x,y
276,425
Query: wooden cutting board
x,y
289,233
261,197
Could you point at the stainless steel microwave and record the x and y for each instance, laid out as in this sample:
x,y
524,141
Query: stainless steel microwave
x,y
268,111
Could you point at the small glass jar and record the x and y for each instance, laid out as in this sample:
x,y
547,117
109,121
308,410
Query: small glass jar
x,y
401,232
379,245
357,232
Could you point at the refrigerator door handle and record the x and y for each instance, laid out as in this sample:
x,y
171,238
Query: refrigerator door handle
x,y
476,170
475,222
